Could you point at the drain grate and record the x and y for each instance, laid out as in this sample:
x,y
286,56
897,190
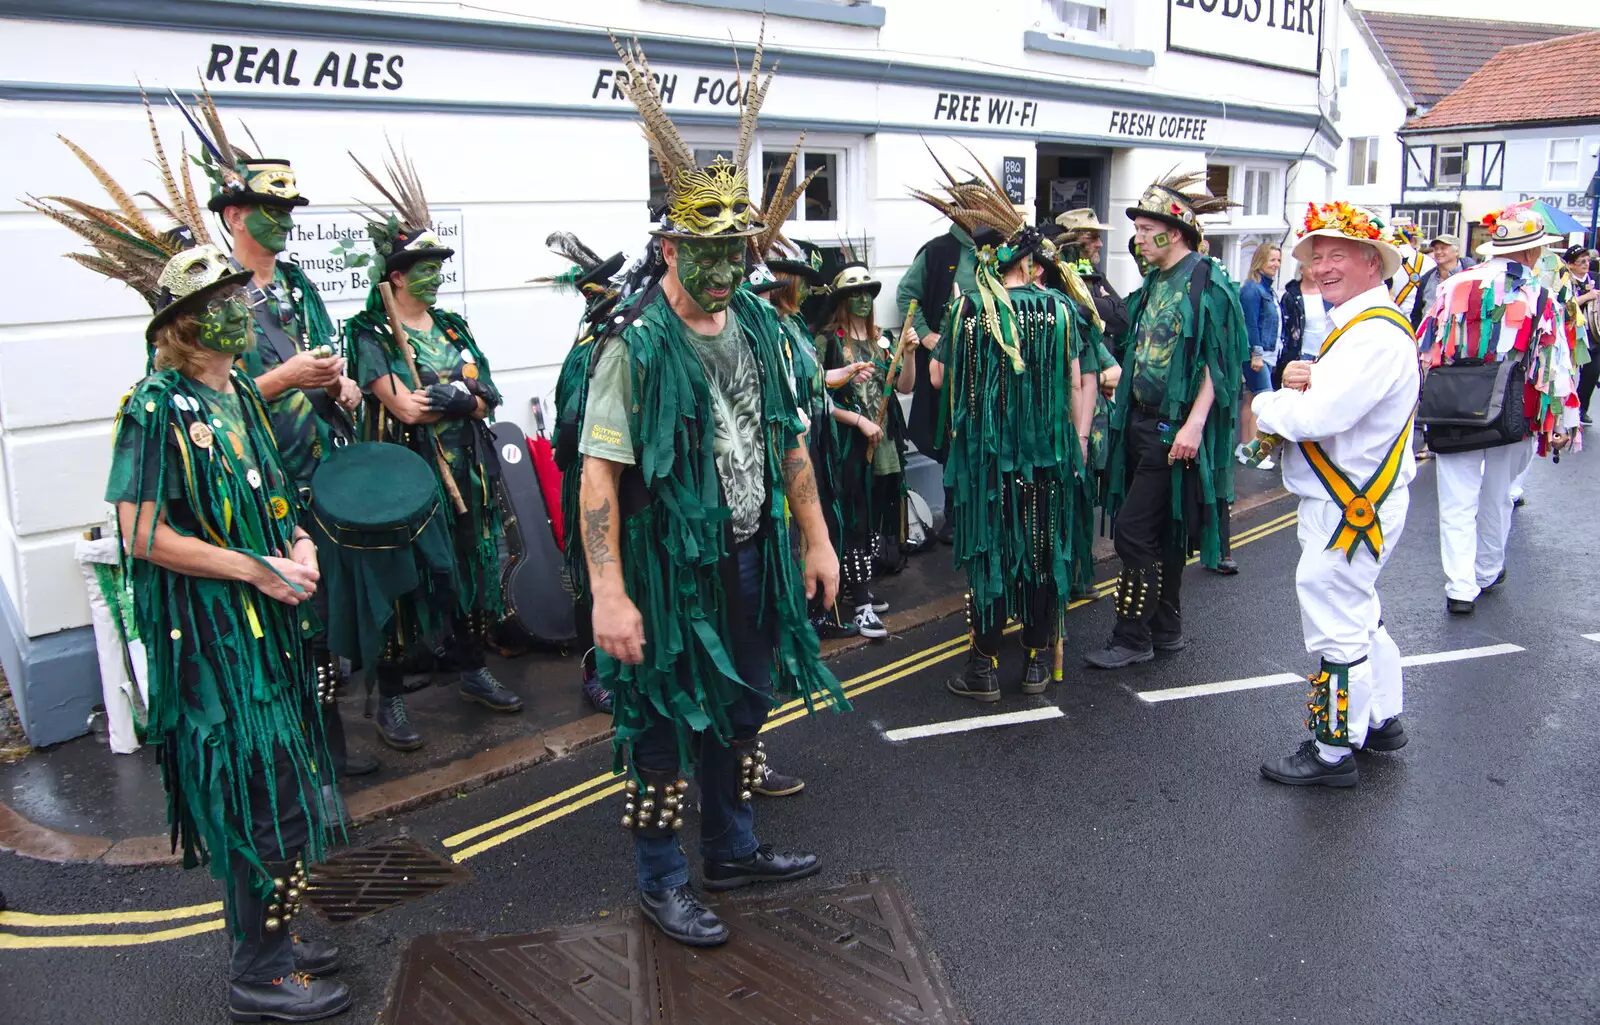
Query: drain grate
x,y
843,955
368,880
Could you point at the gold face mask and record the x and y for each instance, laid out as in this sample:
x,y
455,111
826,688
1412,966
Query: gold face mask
x,y
711,201
273,180
194,269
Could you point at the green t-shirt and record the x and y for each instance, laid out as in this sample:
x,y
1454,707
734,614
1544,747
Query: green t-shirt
x,y
438,360
864,396
223,413
730,369
1160,330
301,435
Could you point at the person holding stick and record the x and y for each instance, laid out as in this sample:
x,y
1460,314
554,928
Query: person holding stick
x,y
429,388
872,441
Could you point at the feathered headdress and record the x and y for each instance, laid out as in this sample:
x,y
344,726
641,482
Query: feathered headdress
x,y
1180,199
237,178
776,208
403,234
128,247
712,201
589,276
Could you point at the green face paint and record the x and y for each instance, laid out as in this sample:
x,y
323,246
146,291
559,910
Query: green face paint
x,y
709,268
423,280
860,304
269,226
226,325
1161,241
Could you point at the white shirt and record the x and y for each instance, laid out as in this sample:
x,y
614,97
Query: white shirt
x,y
1361,395
1316,328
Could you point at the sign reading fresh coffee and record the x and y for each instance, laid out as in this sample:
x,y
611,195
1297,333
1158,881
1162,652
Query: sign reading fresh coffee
x,y
1276,33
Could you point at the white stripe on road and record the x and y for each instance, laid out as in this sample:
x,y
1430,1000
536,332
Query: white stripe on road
x,y
977,722
1200,690
1591,637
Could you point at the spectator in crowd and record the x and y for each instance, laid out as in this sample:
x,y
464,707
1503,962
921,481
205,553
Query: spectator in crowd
x,y
1586,296
1085,234
1261,324
1447,260
1305,322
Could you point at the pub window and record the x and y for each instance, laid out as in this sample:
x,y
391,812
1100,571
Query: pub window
x,y
1363,161
1070,18
1451,167
1405,215
1562,167
1419,167
1428,221
1256,198
1485,162
821,201
1451,220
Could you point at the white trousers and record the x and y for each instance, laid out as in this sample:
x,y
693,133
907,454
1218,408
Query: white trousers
x,y
1475,514
1340,612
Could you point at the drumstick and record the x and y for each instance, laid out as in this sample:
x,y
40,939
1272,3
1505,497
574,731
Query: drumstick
x,y
908,334
399,332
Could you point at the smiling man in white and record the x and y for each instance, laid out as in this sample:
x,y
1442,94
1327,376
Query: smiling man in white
x,y
1345,420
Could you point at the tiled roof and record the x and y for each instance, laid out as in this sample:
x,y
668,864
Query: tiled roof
x,y
1549,81
1435,55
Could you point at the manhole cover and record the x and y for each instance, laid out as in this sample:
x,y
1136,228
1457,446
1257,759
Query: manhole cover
x,y
840,955
367,880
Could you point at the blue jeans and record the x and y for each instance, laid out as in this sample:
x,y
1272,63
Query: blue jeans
x,y
726,822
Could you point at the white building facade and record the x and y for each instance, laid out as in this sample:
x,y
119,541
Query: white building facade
x,y
517,129
1371,106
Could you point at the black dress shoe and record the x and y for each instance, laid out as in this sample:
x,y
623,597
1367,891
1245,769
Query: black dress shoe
x,y
679,914
1388,735
977,680
1305,769
1038,671
296,997
1225,568
1491,585
776,784
316,957
394,724
764,866
359,765
1457,607
1116,655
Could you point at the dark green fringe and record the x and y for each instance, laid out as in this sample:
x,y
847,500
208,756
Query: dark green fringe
x,y
252,695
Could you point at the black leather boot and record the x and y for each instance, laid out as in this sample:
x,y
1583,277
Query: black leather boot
x,y
679,914
392,720
316,957
1038,671
266,983
977,680
1137,593
764,865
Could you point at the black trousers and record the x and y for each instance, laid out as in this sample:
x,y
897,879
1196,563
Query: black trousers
x,y
1146,535
1588,376
1038,603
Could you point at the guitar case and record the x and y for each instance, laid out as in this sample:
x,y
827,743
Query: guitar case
x,y
532,579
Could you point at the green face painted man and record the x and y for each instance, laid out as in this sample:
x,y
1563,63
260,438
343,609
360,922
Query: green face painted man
x,y
269,226
710,268
423,279
226,325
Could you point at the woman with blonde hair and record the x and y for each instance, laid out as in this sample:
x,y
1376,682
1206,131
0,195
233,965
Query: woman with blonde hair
x,y
1261,316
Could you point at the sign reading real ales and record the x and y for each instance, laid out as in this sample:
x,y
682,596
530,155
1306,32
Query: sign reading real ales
x,y
1274,33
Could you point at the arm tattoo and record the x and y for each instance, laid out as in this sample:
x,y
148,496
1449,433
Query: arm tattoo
x,y
798,480
596,523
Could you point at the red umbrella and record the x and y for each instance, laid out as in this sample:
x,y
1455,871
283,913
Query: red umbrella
x,y
544,467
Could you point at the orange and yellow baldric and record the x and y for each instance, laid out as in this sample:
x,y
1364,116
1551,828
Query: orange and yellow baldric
x,y
1413,269
1360,522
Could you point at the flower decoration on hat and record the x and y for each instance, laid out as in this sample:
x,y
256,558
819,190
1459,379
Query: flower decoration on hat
x,y
1340,216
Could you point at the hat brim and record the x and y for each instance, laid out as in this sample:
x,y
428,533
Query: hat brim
x,y
1493,248
873,287
194,302
405,259
603,273
222,200
1188,231
1096,226
1391,255
810,274
753,230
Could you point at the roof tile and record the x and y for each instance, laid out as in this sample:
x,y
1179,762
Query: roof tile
x,y
1534,82
1435,55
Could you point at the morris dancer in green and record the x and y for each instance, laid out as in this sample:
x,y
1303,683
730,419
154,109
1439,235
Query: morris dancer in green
x,y
221,575
1169,475
295,361
435,396
693,464
1017,403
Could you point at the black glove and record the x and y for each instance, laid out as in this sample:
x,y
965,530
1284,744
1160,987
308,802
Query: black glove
x,y
484,391
451,401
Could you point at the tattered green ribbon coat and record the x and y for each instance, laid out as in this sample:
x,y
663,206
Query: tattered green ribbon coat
x,y
673,545
232,683
1218,344
1010,431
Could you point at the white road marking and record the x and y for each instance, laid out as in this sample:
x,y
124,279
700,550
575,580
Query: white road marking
x,y
1591,637
1200,690
977,722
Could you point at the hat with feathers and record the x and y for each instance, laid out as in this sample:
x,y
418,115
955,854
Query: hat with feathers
x,y
589,274
237,178
1173,199
403,235
769,245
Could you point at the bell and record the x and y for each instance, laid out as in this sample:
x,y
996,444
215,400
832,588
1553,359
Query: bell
x,y
294,894
277,884
650,789
627,822
677,823
746,761
632,786
628,808
272,924
744,796
683,786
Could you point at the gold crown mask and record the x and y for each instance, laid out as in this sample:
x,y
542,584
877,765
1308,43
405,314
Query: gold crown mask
x,y
702,202
271,179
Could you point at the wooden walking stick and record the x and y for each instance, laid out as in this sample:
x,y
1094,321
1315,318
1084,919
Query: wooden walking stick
x,y
908,337
399,331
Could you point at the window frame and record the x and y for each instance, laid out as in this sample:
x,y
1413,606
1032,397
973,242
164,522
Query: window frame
x,y
1418,167
1440,153
1369,162
1550,161
1047,20
850,195
1243,180
1485,166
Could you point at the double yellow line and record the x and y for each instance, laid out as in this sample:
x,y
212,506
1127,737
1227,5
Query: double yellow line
x,y
469,843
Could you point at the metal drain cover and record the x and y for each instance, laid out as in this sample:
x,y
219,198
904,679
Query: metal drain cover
x,y
841,955
366,880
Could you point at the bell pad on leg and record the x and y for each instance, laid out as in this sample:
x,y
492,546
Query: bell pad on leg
x,y
1137,590
654,806
752,755
1329,703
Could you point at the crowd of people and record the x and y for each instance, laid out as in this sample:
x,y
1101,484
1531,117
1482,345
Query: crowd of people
x,y
297,497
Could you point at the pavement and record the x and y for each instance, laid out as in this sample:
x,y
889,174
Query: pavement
x,y
1114,858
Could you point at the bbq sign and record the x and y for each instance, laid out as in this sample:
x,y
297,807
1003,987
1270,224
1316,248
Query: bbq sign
x,y
1272,33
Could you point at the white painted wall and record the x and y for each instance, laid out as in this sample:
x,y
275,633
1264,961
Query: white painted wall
x,y
1369,107
1526,170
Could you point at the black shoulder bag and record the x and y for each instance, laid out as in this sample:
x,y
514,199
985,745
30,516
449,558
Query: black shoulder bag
x,y
1475,404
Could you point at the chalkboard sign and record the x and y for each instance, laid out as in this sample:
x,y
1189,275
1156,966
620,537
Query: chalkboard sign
x,y
1014,176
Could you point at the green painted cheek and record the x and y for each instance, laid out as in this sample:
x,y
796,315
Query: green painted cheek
x,y
269,227
861,304
423,283
229,330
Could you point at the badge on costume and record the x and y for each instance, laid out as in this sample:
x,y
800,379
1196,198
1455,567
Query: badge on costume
x,y
467,357
316,449
238,446
200,433
279,507
253,477
470,372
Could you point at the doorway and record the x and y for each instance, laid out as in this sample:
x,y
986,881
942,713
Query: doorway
x,y
1071,177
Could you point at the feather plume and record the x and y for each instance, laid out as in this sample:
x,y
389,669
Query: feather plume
x,y
775,209
673,154
1192,185
117,193
191,204
751,99
568,245
174,198
975,203
403,191
98,264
